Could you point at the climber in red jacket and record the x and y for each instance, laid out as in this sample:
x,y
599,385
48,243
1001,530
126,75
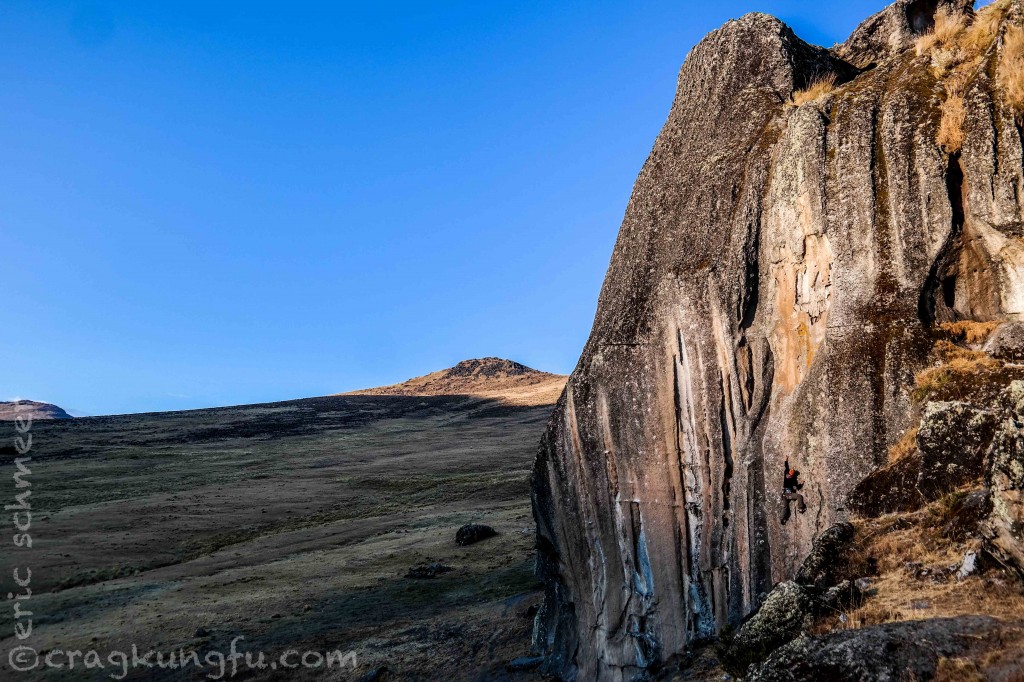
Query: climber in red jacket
x,y
791,486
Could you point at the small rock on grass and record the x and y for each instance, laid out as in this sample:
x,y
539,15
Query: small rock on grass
x,y
524,663
423,571
473,533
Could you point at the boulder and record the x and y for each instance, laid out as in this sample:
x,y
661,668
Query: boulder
x,y
953,439
895,651
789,610
1004,527
824,565
888,490
1007,342
473,533
969,566
423,571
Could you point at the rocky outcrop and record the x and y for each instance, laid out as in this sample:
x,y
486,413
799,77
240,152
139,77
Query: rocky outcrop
x,y
824,567
959,446
792,606
770,296
897,651
30,409
1004,527
951,447
788,611
1007,343
952,442
895,29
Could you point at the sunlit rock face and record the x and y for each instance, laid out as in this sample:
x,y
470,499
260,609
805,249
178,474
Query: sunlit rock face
x,y
769,297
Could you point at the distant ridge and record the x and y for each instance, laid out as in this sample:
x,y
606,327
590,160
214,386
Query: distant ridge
x,y
496,378
30,409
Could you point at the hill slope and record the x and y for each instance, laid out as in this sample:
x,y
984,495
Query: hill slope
x,y
31,409
292,524
495,378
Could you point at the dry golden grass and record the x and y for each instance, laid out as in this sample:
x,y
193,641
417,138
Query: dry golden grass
x,y
958,670
982,32
822,85
894,548
948,28
951,126
896,540
901,596
1011,69
969,331
961,374
905,446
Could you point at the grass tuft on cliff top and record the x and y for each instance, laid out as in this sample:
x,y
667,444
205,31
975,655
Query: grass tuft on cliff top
x,y
819,87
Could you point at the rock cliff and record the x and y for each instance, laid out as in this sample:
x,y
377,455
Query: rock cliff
x,y
781,270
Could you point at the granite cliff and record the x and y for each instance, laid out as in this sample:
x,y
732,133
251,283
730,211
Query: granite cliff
x,y
808,223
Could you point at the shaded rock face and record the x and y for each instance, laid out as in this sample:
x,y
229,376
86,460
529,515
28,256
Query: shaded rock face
x,y
952,445
960,445
1005,479
1007,343
769,297
792,606
897,651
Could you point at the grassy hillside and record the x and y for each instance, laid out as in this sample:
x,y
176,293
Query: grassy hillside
x,y
291,524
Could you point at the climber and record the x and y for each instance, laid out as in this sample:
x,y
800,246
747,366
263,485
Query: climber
x,y
791,486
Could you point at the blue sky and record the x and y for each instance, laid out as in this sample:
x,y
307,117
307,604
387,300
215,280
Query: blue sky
x,y
212,203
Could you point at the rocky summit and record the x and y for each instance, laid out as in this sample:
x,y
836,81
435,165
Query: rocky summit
x,y
820,244
30,409
494,378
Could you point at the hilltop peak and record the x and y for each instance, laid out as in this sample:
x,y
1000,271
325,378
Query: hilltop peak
x,y
30,409
489,367
489,377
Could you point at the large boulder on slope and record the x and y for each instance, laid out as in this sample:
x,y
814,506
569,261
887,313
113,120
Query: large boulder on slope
x,y
788,611
891,652
1004,528
953,440
952,444
1007,342
824,566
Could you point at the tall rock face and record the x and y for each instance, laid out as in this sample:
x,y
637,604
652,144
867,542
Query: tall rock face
x,y
770,297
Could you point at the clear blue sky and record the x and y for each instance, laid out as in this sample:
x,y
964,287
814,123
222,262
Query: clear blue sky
x,y
211,203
